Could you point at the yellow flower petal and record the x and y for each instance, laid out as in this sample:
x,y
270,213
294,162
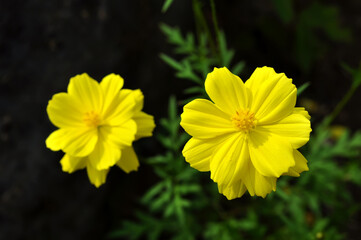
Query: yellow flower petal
x,y
121,109
65,111
302,111
270,154
111,85
295,129
256,183
301,165
87,91
96,177
202,119
104,155
55,141
71,164
145,125
227,90
229,159
274,95
232,191
259,77
76,142
198,152
119,136
129,160
139,100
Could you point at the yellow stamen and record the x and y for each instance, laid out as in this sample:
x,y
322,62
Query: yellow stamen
x,y
244,120
91,119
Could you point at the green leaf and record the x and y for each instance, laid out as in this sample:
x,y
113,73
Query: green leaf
x,y
129,229
302,88
187,174
183,138
188,73
356,140
226,54
171,62
172,108
187,46
238,68
320,225
284,9
161,172
179,203
347,68
356,74
166,5
169,210
165,141
317,18
354,173
173,35
152,192
193,90
186,189
162,199
160,159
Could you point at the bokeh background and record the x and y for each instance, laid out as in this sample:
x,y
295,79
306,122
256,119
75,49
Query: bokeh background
x,y
44,43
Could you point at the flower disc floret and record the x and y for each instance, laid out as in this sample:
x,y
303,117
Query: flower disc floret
x,y
244,120
91,119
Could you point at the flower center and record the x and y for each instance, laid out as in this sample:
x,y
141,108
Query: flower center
x,y
91,119
244,120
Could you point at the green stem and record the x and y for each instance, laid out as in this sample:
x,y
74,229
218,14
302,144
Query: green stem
x,y
217,31
340,105
196,18
202,25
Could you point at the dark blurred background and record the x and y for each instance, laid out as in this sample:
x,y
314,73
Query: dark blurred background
x,y
44,43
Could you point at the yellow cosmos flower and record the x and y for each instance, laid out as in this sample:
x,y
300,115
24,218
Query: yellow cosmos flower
x,y
249,135
98,123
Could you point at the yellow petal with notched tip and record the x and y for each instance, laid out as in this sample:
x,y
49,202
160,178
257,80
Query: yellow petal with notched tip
x,y
71,164
65,111
274,95
202,119
302,111
119,136
232,191
227,90
129,160
87,91
110,85
145,124
198,152
294,128
229,159
76,142
270,154
139,99
96,177
301,165
121,109
104,155
256,183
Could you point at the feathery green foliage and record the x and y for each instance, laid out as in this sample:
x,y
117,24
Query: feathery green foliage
x,y
185,204
196,59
